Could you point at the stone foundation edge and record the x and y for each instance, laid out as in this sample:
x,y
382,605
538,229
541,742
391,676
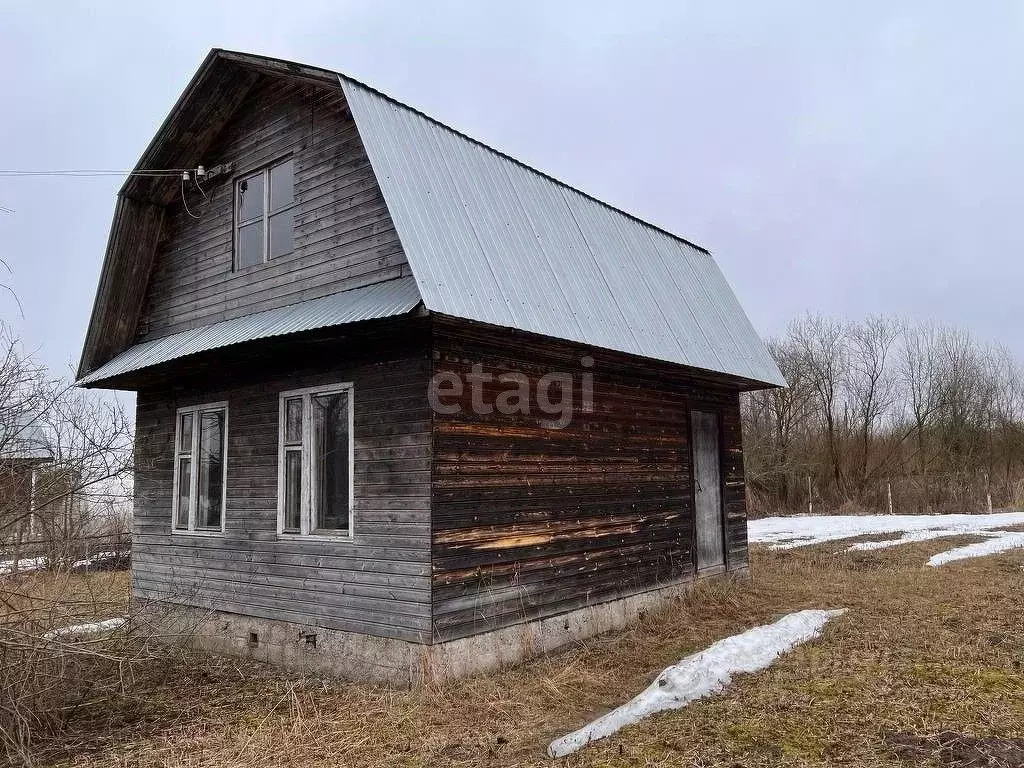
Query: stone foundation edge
x,y
310,649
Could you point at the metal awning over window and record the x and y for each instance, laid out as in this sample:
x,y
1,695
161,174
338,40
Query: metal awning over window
x,y
394,297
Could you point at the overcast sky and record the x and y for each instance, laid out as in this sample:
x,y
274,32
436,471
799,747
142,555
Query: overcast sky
x,y
847,158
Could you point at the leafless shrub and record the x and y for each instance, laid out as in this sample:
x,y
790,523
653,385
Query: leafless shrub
x,y
65,468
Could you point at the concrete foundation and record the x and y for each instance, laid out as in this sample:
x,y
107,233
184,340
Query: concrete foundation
x,y
358,656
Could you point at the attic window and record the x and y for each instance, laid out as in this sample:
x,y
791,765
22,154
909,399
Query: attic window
x,y
264,215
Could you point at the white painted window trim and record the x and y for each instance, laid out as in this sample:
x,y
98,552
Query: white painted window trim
x,y
265,216
307,503
192,529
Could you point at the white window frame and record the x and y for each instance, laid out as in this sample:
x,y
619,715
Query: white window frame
x,y
264,216
306,508
193,529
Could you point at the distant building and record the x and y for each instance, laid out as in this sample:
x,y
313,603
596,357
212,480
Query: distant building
x,y
23,450
407,406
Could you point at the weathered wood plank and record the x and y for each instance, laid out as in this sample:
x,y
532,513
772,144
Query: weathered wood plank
x,y
378,582
530,521
344,237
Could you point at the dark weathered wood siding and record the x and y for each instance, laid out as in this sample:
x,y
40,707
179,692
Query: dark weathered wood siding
x,y
529,521
344,237
377,584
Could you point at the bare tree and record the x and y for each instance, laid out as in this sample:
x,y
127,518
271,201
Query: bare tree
x,y
919,374
821,342
870,383
774,421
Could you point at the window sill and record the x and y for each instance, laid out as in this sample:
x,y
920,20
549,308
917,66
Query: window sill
x,y
346,538
205,534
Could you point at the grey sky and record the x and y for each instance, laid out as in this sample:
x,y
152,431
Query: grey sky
x,y
844,158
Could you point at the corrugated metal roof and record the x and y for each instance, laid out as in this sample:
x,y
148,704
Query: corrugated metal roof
x,y
491,239
394,297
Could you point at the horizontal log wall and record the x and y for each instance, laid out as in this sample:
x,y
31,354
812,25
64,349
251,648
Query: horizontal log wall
x,y
378,584
529,521
344,236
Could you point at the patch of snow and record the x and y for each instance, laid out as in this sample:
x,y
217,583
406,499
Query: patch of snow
x,y
29,564
80,630
1000,543
805,530
802,531
100,557
702,674
913,537
23,564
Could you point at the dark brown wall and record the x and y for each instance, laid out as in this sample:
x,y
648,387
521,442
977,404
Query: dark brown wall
x,y
377,584
344,237
529,521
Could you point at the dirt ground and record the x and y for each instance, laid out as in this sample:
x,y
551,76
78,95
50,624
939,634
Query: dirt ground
x,y
926,668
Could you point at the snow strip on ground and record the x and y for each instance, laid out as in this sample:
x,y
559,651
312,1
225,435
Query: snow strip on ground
x,y
24,564
28,564
79,630
801,531
702,674
999,543
914,537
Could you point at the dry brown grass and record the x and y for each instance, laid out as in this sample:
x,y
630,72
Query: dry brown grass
x,y
922,650
43,677
60,598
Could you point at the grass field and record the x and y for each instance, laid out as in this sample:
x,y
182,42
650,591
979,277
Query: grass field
x,y
920,652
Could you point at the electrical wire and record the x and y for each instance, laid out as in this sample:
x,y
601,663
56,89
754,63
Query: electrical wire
x,y
82,172
96,172
201,189
183,201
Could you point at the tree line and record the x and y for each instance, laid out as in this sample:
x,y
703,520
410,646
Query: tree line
x,y
885,414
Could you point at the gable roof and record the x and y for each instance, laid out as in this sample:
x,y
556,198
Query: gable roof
x,y
490,239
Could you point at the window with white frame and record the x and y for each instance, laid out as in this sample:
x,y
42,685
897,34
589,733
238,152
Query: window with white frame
x,y
316,461
264,214
200,468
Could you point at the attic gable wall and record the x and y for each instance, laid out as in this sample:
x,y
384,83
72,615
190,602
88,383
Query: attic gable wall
x,y
344,237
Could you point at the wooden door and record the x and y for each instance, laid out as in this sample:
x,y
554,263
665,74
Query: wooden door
x,y
707,483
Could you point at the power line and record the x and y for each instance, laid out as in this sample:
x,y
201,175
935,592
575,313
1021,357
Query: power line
x,y
95,172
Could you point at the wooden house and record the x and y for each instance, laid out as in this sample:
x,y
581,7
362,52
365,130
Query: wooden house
x,y
407,406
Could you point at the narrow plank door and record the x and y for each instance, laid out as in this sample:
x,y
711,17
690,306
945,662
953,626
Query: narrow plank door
x,y
707,490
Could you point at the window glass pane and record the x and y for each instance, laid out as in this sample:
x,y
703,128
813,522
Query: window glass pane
x,y
184,492
211,469
250,245
330,461
282,233
185,433
249,198
281,185
292,489
293,420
